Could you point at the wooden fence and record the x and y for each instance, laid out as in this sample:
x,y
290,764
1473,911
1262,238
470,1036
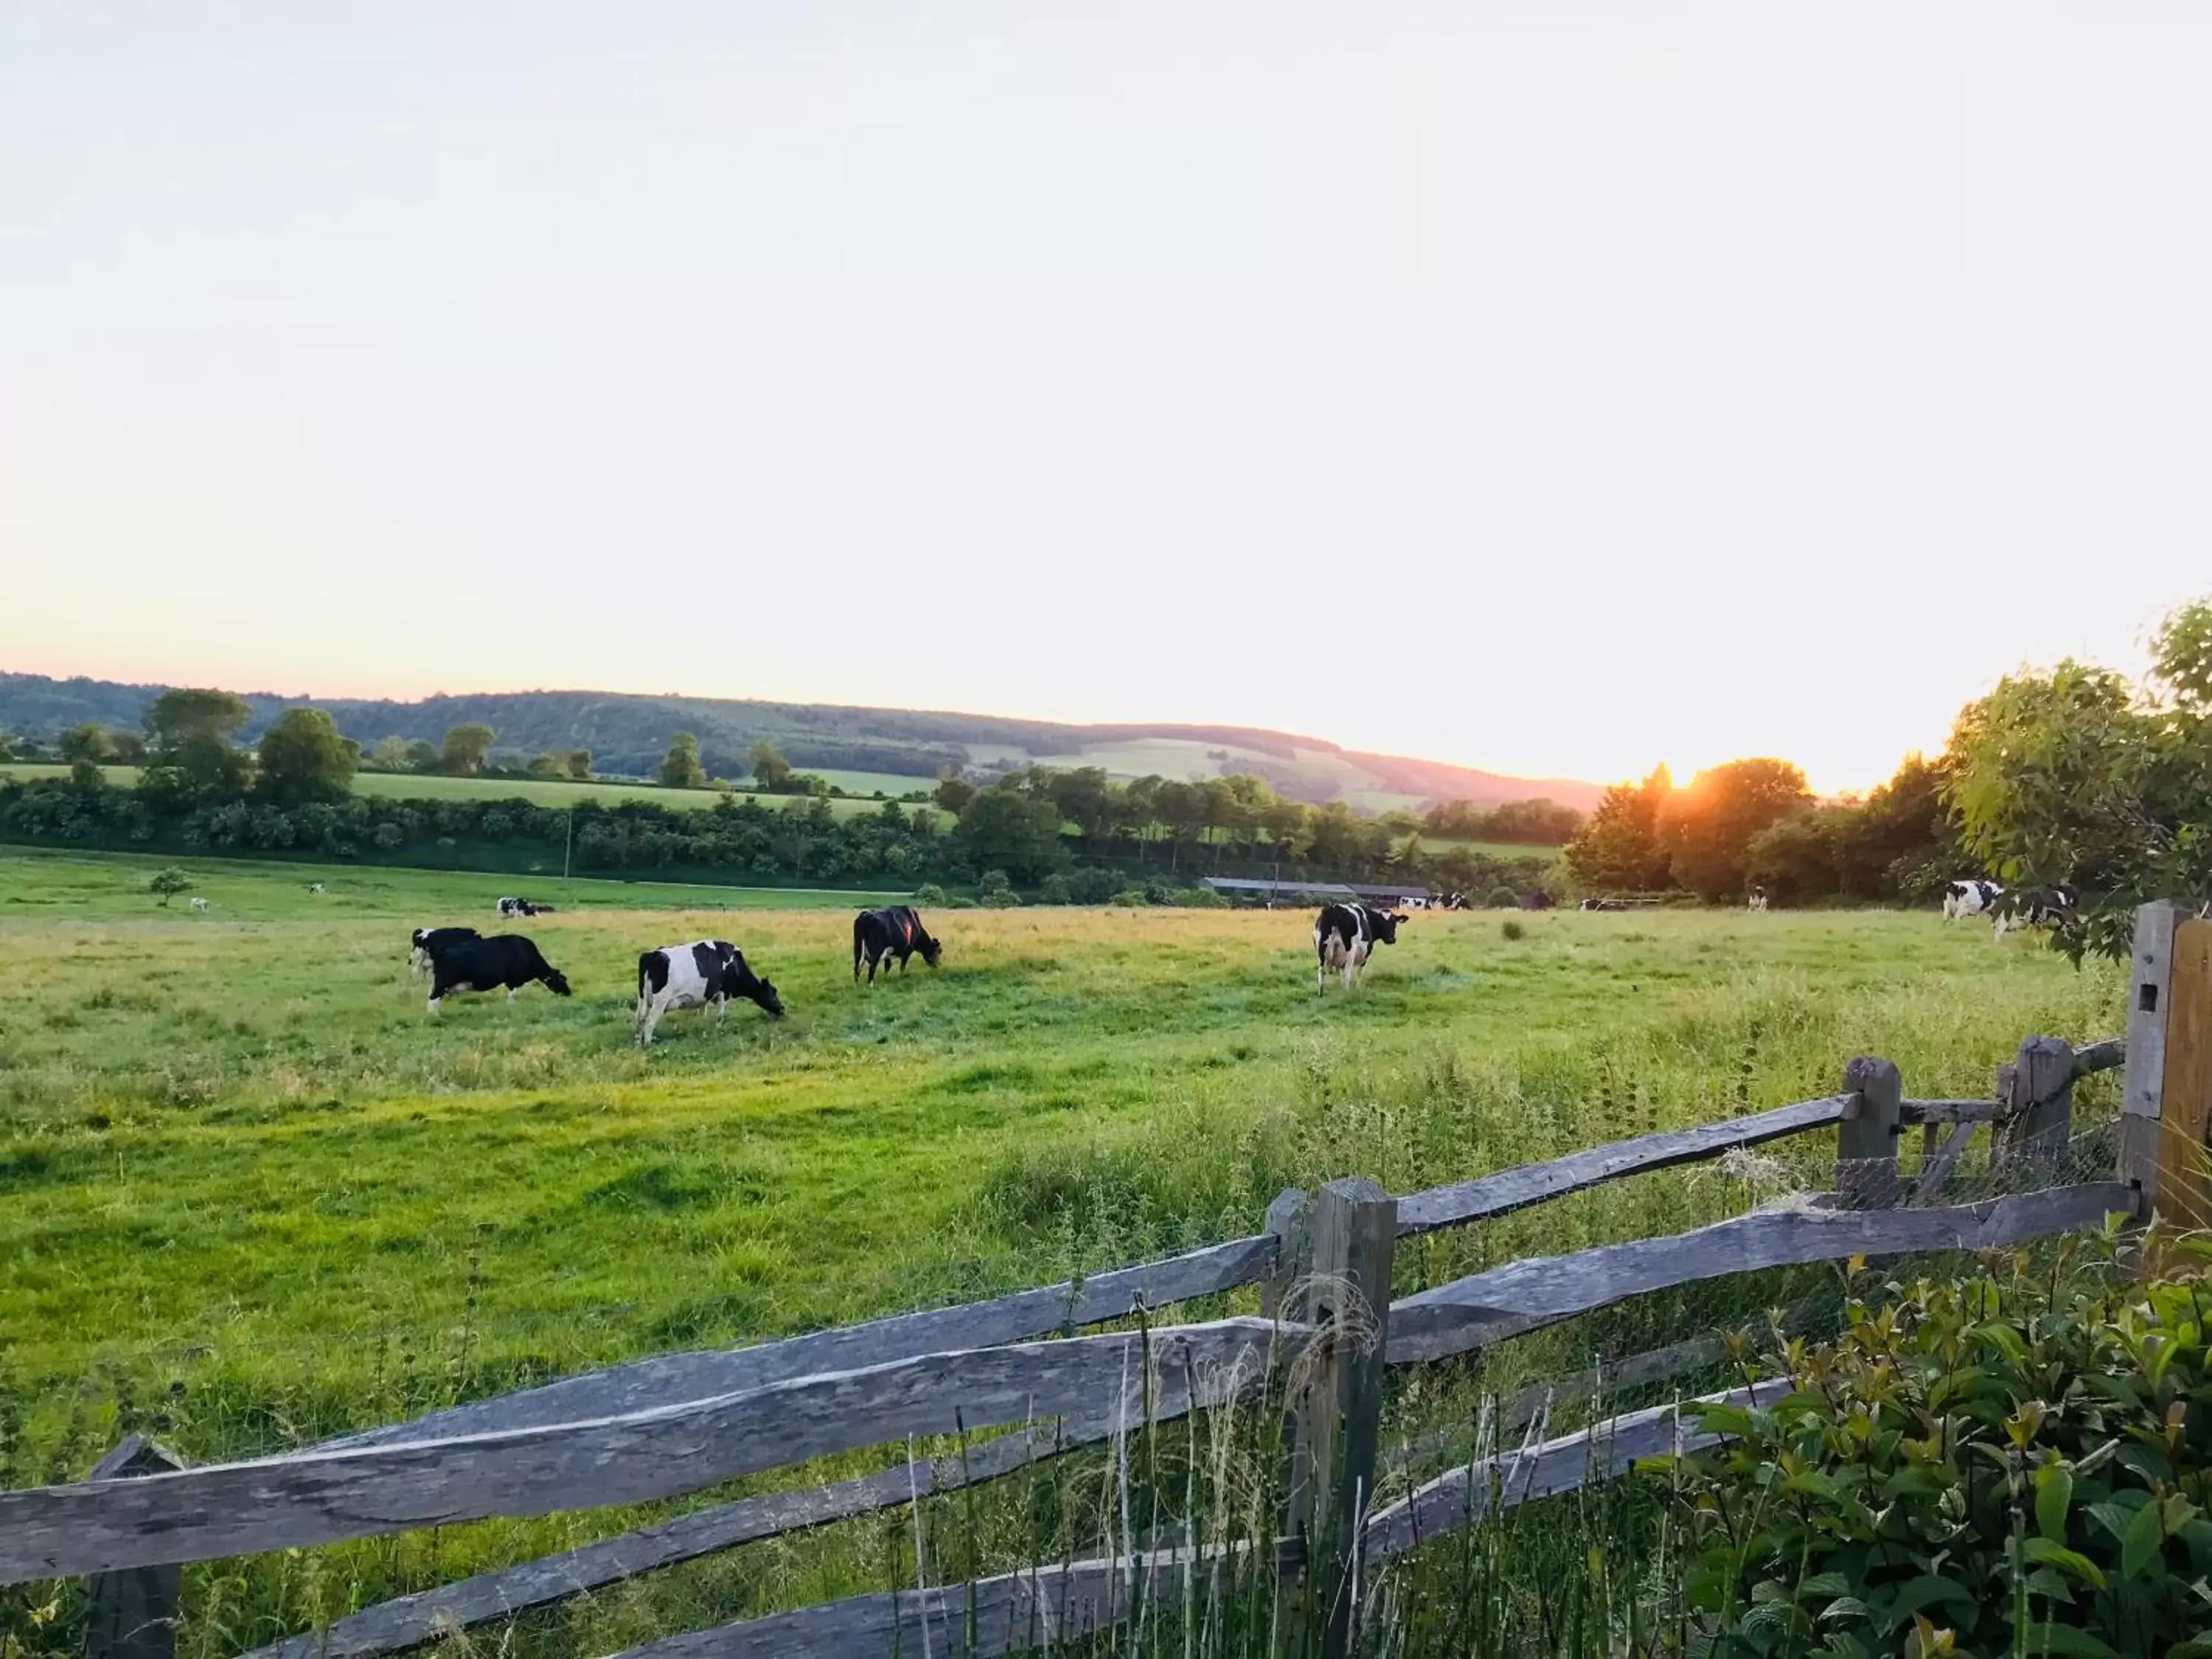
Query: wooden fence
x,y
663,1427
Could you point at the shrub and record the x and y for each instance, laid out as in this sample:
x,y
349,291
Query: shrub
x,y
1093,885
1201,898
1133,898
2019,1458
1512,929
996,892
1503,898
1056,890
168,883
929,893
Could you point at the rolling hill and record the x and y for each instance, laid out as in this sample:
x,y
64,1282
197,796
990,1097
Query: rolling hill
x,y
627,733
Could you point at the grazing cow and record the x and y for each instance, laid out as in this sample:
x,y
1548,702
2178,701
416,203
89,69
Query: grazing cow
x,y
1970,898
518,907
895,930
1455,901
314,887
691,977
428,941
199,904
1346,936
2043,907
1605,904
1758,902
504,962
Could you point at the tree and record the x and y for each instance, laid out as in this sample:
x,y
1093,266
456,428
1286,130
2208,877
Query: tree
x,y
87,743
2075,775
681,769
1617,849
421,756
6,747
1795,858
1538,823
303,758
1081,796
390,755
466,749
169,883
189,732
953,792
579,764
1706,828
769,767
126,748
1007,829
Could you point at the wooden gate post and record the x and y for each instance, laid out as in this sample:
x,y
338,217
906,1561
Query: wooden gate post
x,y
2038,1090
1353,1226
1866,1144
133,1614
2168,1098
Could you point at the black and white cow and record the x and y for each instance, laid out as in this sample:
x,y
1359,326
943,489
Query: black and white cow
x,y
1756,900
1455,901
894,930
691,977
2041,907
1346,936
1605,904
315,887
428,941
1970,898
504,962
520,907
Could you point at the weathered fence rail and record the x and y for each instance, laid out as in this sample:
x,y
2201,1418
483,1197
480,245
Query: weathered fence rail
x,y
664,1427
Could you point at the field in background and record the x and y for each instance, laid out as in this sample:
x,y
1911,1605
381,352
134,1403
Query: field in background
x,y
541,792
233,1143
1184,757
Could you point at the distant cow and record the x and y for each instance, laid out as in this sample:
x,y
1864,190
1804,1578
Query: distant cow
x,y
314,887
1970,898
519,907
1455,901
1346,936
504,962
199,904
2043,907
894,930
1758,901
691,977
428,941
1604,904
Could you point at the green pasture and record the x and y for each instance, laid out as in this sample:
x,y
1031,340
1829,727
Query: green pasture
x,y
546,792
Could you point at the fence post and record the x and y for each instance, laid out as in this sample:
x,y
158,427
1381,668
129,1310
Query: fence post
x,y
1866,1144
1353,1226
133,1614
1286,1225
2169,1074
2038,1090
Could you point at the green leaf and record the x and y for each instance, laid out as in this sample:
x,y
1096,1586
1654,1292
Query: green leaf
x,y
2064,1638
1917,1595
2054,1496
2044,1550
2146,1537
1844,1606
1824,1583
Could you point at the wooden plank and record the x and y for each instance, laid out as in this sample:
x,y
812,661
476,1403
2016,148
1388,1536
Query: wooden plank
x,y
1487,1306
1937,1168
2184,1179
2043,1099
2150,973
409,1621
1339,1411
1514,1189
133,1614
1932,1112
1464,1496
1042,1607
2105,1055
324,1496
1866,1145
671,1379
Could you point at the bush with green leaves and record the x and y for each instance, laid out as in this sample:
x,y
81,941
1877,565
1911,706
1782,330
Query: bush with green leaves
x,y
168,883
2015,1462
929,893
996,892
1503,898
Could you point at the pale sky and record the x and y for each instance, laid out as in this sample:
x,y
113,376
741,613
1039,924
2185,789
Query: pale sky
x,y
1555,388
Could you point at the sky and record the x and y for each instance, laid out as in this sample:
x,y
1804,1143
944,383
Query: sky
x,y
1557,388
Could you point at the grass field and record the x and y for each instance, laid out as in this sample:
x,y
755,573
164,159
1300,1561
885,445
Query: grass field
x,y
541,792
243,1174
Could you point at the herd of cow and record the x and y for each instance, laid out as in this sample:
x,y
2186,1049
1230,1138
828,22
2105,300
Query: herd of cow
x,y
710,972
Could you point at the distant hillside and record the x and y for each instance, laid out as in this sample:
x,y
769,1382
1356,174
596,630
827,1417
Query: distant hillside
x,y
629,733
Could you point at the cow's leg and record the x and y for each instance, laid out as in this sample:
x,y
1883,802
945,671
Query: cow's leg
x,y
512,992
654,1009
722,1009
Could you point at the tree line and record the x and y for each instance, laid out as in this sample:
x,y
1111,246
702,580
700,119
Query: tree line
x,y
2077,774
199,790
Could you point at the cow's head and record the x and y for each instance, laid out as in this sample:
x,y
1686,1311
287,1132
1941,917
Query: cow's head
x,y
764,992
1386,925
930,950
557,982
